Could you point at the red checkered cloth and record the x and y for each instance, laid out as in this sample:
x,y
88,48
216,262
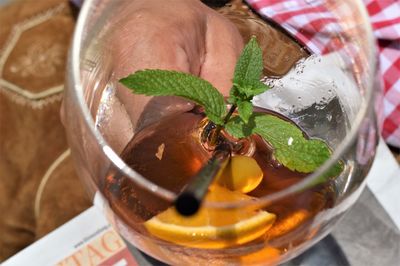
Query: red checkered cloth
x,y
311,23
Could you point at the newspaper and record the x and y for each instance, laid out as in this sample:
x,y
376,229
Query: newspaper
x,y
86,240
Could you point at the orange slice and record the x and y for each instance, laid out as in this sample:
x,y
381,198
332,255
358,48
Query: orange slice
x,y
212,228
241,174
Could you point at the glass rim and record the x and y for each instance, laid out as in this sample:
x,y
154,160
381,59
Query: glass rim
x,y
168,195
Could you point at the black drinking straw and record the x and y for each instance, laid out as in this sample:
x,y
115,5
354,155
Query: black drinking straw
x,y
189,200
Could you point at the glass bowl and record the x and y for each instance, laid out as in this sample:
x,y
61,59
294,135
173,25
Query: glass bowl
x,y
330,96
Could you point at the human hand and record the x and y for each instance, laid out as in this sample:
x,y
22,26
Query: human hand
x,y
181,35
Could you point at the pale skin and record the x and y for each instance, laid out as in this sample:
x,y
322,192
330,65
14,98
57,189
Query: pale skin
x,y
181,35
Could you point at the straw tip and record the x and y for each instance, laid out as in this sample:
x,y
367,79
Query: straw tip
x,y
187,204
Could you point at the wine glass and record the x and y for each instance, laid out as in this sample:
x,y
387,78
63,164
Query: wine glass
x,y
330,96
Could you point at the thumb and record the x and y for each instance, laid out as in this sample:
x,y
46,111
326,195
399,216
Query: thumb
x,y
223,47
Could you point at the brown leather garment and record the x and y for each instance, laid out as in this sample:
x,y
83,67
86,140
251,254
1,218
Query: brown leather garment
x,y
34,39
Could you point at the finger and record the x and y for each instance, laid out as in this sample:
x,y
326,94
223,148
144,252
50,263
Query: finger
x,y
139,50
223,46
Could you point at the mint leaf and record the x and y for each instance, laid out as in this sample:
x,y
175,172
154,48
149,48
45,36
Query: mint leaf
x,y
291,148
334,171
245,110
237,128
247,93
156,82
256,88
250,64
248,72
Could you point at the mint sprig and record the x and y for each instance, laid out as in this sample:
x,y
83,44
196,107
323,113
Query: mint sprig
x,y
156,82
290,147
246,79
